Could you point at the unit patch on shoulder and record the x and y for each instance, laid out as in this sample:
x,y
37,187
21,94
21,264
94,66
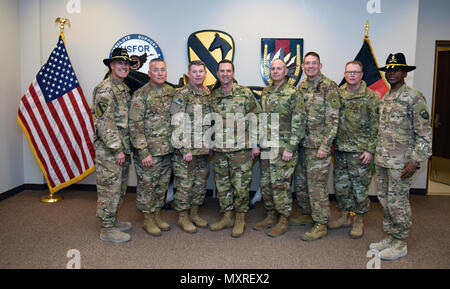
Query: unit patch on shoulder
x,y
101,108
424,114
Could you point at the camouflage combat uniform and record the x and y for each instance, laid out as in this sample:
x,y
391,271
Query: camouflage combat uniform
x,y
111,100
404,135
357,133
276,174
311,174
190,177
150,133
233,164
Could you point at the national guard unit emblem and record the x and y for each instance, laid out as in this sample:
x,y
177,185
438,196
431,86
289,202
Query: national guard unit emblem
x,y
288,49
141,49
210,46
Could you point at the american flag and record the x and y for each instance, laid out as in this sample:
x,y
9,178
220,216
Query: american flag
x,y
56,119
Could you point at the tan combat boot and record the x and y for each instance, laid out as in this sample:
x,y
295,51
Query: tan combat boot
x,y
150,225
159,222
280,228
317,232
123,226
269,221
357,227
239,225
381,245
301,220
227,221
342,221
113,234
185,223
396,250
199,222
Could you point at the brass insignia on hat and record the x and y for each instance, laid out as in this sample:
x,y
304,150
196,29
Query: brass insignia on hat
x,y
101,108
393,59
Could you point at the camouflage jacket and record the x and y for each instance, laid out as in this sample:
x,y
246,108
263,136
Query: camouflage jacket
x,y
237,103
150,117
322,112
405,131
111,100
358,120
288,103
195,104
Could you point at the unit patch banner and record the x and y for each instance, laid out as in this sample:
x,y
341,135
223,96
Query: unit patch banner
x,y
288,49
210,46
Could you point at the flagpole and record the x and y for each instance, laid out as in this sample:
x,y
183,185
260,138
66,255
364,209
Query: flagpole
x,y
52,197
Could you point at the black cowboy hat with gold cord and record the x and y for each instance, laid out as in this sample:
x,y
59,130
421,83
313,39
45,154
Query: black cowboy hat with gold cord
x,y
396,61
119,54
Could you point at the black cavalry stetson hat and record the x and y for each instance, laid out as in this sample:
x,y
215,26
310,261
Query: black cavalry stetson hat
x,y
395,61
119,54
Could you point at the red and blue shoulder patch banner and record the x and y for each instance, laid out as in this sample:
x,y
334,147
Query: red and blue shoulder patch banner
x,y
288,49
210,46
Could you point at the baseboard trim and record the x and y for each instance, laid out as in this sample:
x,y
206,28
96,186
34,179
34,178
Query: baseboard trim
x,y
132,189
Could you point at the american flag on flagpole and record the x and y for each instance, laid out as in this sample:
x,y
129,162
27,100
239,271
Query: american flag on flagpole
x,y
57,121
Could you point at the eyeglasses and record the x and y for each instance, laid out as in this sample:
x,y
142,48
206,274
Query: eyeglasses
x,y
353,72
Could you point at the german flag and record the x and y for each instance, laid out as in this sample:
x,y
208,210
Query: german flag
x,y
372,76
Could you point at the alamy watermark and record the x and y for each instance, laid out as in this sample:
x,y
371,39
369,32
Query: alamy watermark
x,y
73,6
234,131
373,6
75,259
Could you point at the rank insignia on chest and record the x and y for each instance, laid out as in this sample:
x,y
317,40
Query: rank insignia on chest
x,y
177,100
101,108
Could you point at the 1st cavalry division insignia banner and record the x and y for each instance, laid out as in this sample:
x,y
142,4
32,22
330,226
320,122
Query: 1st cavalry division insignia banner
x,y
288,49
210,46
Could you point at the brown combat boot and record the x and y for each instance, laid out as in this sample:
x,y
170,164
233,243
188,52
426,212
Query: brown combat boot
x,y
150,225
199,222
280,228
114,235
357,227
268,222
185,223
159,222
227,221
342,221
239,225
317,232
301,220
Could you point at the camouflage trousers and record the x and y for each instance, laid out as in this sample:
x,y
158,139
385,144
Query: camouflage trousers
x,y
233,174
311,184
393,194
276,177
190,178
112,182
152,182
351,182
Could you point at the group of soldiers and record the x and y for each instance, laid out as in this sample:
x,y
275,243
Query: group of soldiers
x,y
159,127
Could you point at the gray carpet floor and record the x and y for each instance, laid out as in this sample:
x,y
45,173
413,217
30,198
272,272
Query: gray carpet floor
x,y
37,235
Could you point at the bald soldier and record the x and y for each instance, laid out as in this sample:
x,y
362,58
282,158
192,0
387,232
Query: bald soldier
x,y
111,99
404,143
282,102
151,133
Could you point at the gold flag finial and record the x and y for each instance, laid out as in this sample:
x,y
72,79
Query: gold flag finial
x,y
366,28
62,22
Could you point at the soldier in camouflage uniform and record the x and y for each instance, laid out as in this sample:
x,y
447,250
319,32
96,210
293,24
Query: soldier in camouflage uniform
x,y
284,100
111,99
354,148
232,158
404,142
322,105
190,160
150,133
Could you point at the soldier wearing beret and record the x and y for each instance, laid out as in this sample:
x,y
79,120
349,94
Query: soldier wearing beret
x,y
111,99
404,142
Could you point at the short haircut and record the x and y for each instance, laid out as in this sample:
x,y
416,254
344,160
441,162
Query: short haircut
x,y
225,61
156,60
357,62
279,60
312,53
196,62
